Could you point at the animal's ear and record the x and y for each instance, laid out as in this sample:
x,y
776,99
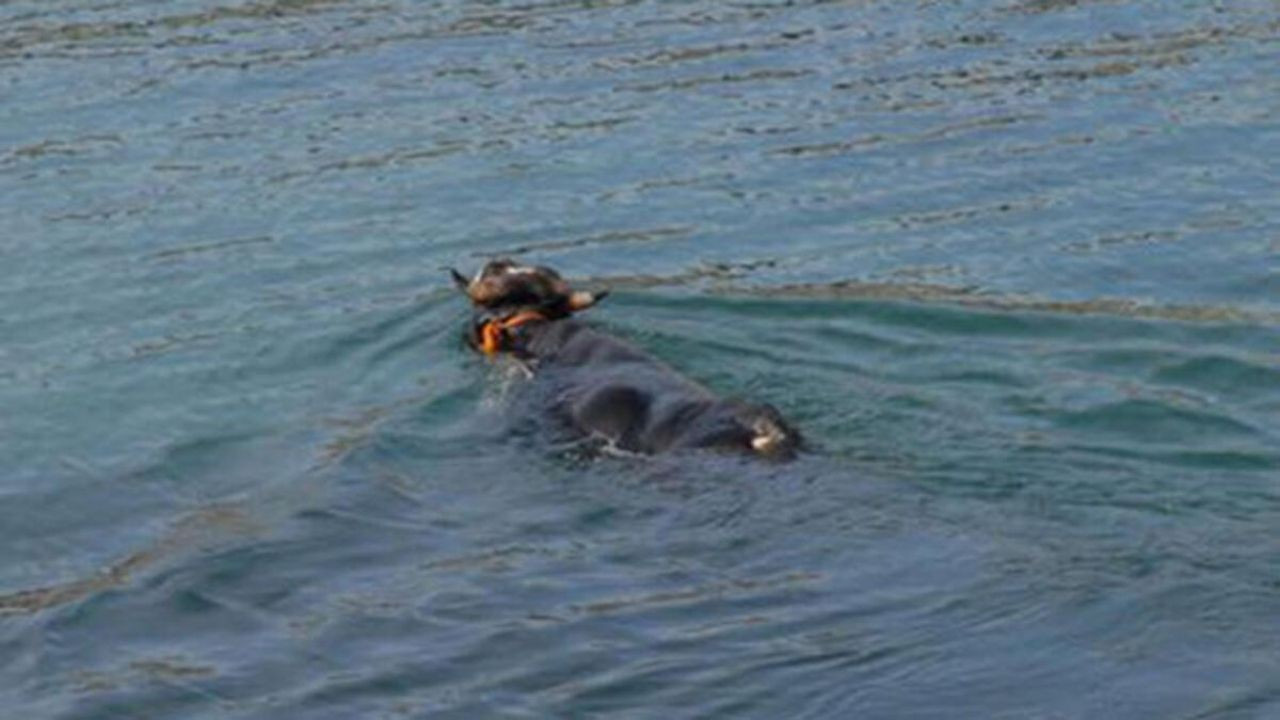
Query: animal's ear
x,y
458,279
581,299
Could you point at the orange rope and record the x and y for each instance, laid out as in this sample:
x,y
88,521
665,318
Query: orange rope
x,y
492,332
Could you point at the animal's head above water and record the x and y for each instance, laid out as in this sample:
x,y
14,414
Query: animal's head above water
x,y
505,287
508,295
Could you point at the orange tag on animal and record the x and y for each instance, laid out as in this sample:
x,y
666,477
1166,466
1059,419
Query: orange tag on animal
x,y
491,332
491,337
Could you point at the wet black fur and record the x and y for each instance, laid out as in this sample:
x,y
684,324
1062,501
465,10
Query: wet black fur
x,y
600,386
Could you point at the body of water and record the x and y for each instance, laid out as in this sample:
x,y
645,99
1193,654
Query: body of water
x,y
1013,267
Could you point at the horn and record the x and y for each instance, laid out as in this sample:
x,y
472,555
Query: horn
x,y
458,279
581,299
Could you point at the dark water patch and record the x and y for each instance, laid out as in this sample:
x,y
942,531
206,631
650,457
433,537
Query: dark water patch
x,y
609,238
1153,420
764,75
1251,376
1107,241
1225,459
85,145
877,140
1166,43
197,531
79,32
976,298
1045,6
676,56
394,159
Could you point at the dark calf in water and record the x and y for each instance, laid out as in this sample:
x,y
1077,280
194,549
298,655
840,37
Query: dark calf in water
x,y
601,385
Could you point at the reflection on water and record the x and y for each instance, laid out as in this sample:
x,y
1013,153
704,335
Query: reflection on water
x,y
1011,265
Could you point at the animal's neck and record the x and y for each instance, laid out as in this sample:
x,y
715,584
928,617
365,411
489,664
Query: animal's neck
x,y
545,339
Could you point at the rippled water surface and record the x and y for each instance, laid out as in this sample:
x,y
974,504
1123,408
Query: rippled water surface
x,y
1013,266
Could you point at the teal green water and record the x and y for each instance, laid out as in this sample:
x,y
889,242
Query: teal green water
x,y
1011,266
